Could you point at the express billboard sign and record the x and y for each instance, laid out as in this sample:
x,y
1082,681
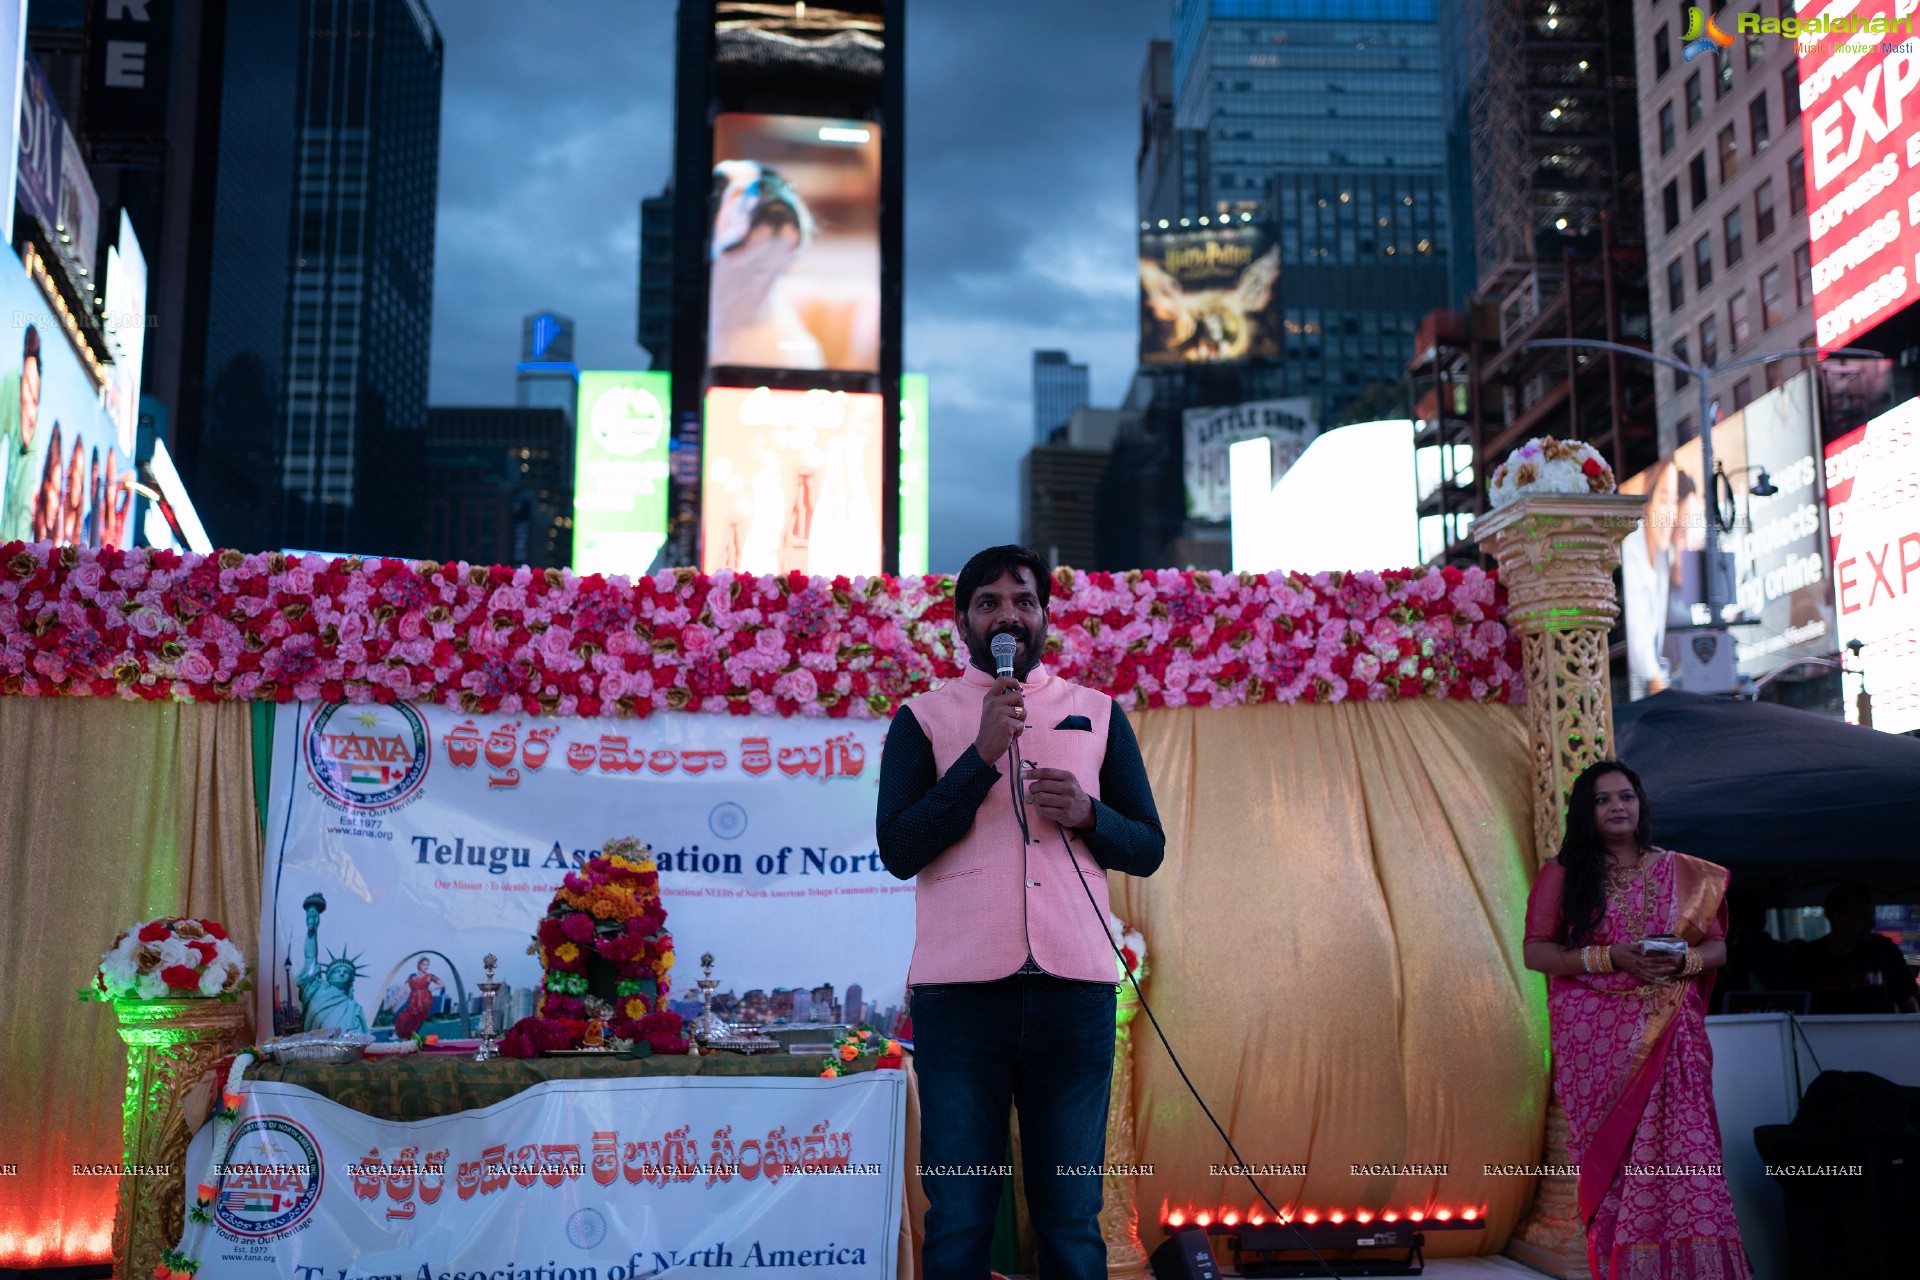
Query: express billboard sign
x,y
1873,513
1860,122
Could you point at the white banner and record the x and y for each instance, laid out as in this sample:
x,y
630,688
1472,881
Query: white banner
x,y
406,842
581,1179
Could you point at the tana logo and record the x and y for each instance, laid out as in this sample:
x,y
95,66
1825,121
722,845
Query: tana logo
x,y
368,757
1702,34
270,1179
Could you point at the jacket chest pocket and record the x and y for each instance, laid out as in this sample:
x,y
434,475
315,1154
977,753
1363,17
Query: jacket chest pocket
x,y
1077,751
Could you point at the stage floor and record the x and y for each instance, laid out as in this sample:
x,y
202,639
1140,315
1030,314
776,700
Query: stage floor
x,y
1471,1269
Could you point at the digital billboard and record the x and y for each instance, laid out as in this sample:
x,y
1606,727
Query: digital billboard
x,y
823,51
620,471
794,244
1209,434
13,54
1873,515
1859,131
1778,604
1209,295
916,476
791,482
125,323
63,475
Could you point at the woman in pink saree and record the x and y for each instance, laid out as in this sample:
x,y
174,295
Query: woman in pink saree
x,y
1631,1062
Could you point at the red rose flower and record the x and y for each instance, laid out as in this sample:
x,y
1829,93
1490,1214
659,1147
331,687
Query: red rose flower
x,y
215,928
180,977
205,950
158,931
1593,466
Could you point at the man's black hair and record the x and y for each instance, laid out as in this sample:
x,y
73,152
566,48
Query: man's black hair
x,y
30,346
993,564
1850,894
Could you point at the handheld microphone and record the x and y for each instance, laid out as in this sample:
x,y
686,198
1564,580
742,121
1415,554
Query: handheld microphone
x,y
1003,646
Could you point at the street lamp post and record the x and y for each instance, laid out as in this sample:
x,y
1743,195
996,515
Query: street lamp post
x,y
1700,374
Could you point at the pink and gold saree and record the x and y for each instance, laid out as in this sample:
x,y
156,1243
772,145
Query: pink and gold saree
x,y
1633,1069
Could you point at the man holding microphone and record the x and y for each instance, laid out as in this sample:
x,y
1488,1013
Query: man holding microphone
x,y
1013,975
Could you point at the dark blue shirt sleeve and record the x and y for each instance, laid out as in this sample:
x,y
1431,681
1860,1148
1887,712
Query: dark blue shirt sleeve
x,y
1126,834
922,813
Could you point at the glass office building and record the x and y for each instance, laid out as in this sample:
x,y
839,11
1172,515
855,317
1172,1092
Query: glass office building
x,y
1325,118
360,297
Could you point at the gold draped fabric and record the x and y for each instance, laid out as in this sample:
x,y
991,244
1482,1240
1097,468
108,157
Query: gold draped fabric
x,y
1334,942
111,812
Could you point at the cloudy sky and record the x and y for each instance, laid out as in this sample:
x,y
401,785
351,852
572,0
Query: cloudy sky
x,y
1021,130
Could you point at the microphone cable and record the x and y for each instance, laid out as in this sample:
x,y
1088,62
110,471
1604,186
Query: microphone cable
x,y
1004,661
1239,1162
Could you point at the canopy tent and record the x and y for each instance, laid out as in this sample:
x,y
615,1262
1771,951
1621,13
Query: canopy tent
x,y
1777,795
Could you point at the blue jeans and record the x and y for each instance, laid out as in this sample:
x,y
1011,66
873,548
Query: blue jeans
x,y
1044,1045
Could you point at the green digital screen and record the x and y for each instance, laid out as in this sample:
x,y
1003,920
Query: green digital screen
x,y
916,473
620,471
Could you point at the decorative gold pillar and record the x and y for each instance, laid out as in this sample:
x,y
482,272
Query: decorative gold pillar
x,y
170,1045
1557,554
1119,1219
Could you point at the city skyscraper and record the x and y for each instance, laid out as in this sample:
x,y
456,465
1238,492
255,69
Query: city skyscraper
x,y
1059,387
1165,172
1541,96
546,376
360,305
498,485
302,395
654,330
1728,248
1325,121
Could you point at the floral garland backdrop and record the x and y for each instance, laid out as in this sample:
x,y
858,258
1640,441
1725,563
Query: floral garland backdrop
x,y
267,627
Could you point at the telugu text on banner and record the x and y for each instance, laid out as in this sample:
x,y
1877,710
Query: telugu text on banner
x,y
597,1180
407,842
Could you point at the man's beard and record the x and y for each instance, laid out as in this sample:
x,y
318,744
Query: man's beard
x,y
1025,658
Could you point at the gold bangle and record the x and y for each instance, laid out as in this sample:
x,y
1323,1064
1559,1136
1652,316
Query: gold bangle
x,y
1606,959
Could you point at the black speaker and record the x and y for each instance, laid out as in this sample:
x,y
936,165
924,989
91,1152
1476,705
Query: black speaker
x,y
1184,1255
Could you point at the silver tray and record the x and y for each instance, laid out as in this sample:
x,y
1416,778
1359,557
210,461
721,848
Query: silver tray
x,y
314,1053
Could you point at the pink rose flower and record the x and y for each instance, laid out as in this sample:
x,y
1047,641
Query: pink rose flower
x,y
797,686
695,638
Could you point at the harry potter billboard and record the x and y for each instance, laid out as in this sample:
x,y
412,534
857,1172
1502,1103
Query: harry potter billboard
x,y
1209,296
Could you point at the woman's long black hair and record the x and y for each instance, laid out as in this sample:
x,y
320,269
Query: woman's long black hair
x,y
1583,853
